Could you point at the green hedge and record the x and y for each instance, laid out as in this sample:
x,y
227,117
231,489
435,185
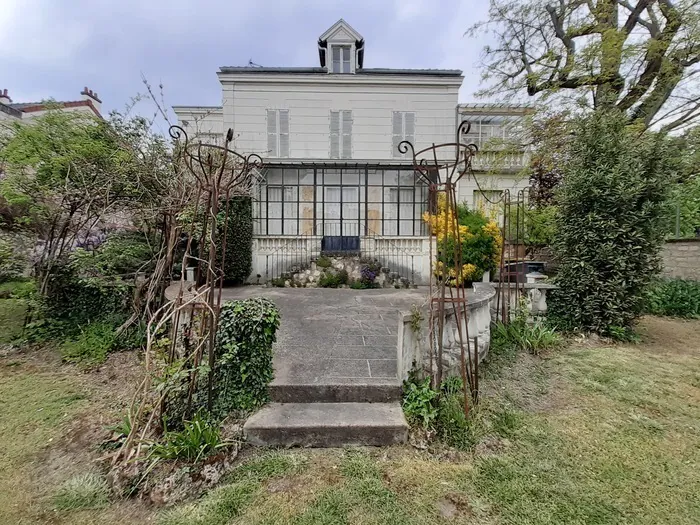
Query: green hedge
x,y
673,298
239,240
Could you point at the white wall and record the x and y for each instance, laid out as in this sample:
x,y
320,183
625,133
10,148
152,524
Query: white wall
x,y
310,98
201,122
468,190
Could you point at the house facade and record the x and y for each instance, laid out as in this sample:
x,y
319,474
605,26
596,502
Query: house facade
x,y
88,103
334,178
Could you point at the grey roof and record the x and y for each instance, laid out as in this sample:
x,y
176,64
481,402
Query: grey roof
x,y
21,105
321,70
10,110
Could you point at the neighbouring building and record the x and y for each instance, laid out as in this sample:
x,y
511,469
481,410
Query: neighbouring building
x,y
9,110
334,178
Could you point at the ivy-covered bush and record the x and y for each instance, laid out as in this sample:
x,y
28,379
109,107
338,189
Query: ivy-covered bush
x,y
122,254
247,330
88,296
609,225
73,300
674,298
480,238
239,239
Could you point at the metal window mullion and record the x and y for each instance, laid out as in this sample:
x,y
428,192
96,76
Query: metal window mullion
x,y
398,203
315,204
366,198
282,211
413,215
298,201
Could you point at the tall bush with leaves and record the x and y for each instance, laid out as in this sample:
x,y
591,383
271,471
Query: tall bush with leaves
x,y
239,239
609,227
11,263
247,329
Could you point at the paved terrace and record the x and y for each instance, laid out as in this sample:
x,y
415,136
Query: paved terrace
x,y
335,336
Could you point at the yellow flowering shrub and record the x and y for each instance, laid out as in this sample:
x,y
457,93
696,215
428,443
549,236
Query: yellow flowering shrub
x,y
480,238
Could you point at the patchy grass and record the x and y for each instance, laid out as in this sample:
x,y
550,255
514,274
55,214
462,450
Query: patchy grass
x,y
13,309
84,491
35,405
590,433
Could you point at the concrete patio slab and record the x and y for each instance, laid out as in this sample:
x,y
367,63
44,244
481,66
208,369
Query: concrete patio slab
x,y
331,334
336,379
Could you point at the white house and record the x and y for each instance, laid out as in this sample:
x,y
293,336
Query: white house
x,y
334,177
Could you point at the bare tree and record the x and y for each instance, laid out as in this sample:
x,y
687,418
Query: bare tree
x,y
642,57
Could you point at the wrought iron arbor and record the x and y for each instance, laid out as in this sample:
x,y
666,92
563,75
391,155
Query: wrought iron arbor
x,y
442,167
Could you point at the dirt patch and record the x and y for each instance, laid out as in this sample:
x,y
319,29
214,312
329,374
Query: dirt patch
x,y
662,335
453,506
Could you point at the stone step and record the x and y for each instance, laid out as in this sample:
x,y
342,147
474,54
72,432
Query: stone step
x,y
337,391
327,425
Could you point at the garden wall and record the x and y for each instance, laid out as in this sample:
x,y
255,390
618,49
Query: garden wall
x,y
413,341
681,258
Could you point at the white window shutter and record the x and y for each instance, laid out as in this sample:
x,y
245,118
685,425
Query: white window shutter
x,y
347,135
396,132
284,132
335,134
272,133
409,127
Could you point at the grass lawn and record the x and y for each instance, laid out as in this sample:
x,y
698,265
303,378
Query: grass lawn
x,y
587,434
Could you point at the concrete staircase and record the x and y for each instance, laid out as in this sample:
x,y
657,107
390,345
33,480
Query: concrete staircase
x,y
335,363
330,415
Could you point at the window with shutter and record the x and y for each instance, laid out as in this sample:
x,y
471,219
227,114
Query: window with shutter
x,y
409,125
272,132
335,134
403,126
284,132
397,132
346,150
278,132
341,134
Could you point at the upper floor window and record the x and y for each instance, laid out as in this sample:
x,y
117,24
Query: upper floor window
x,y
340,59
403,128
341,134
278,132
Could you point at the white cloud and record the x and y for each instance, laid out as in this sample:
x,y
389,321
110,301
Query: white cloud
x,y
29,33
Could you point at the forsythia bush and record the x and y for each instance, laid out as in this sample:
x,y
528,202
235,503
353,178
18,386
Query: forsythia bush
x,y
480,239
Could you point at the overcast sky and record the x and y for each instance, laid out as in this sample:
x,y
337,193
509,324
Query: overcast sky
x,y
53,48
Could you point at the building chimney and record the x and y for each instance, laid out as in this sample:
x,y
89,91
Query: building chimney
x,y
88,94
4,97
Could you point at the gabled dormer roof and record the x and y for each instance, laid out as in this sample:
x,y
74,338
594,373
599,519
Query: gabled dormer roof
x,y
341,31
342,34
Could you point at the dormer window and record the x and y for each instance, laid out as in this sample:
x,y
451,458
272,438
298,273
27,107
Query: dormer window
x,y
341,49
341,59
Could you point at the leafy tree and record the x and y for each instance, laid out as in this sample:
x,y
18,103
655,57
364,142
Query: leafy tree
x,y
684,204
639,57
610,225
68,174
550,140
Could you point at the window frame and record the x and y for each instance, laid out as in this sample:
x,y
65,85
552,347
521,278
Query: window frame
x,y
341,62
397,138
344,137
